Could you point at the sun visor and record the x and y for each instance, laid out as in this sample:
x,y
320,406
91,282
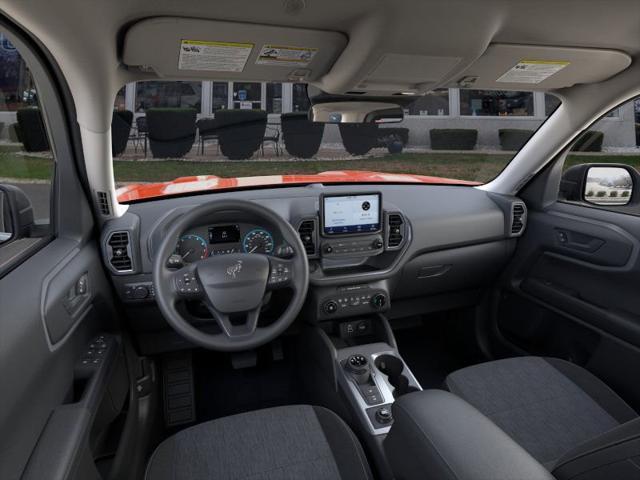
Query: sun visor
x,y
209,49
398,72
526,67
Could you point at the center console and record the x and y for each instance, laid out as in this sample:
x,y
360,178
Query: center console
x,y
372,377
359,358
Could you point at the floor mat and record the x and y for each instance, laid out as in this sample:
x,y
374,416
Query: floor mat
x,y
222,390
438,345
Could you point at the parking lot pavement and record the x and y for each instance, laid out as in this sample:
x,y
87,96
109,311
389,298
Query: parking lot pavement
x,y
39,194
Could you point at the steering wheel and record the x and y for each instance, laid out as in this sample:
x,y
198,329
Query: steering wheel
x,y
232,286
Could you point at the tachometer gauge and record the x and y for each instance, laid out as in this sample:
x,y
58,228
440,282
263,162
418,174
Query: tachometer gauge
x,y
258,241
191,248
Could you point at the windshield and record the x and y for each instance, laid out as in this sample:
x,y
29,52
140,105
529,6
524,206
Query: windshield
x,y
177,137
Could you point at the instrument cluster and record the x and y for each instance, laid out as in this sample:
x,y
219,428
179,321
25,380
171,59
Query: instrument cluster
x,y
207,241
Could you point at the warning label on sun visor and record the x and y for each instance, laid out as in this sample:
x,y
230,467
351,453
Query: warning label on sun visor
x,y
213,56
532,71
285,55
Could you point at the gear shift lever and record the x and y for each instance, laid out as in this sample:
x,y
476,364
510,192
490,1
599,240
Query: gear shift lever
x,y
358,366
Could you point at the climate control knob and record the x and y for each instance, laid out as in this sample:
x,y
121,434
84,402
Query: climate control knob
x,y
377,244
378,301
330,307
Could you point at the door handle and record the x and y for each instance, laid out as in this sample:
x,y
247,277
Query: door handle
x,y
578,241
78,295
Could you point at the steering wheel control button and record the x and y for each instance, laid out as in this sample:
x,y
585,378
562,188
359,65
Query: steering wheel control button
x,y
280,274
187,284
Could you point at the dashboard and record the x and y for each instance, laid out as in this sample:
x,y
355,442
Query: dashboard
x,y
395,249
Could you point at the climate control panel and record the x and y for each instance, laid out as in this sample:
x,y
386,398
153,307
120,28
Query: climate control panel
x,y
353,301
366,246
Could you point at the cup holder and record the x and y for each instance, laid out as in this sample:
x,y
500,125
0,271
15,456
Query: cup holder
x,y
393,367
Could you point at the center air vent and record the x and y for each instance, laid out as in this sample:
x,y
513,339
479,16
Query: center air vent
x,y
518,218
119,252
395,231
307,231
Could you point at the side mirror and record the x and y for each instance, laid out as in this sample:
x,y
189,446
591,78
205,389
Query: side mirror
x,y
356,112
599,184
16,213
608,186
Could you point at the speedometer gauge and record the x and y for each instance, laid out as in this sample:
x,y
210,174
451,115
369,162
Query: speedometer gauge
x,y
258,241
191,248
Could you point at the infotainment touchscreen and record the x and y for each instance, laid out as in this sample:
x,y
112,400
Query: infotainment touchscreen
x,y
351,213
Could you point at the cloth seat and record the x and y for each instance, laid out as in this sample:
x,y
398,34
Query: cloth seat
x,y
547,405
292,442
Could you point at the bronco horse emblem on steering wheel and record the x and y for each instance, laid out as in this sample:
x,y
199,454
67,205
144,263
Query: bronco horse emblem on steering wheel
x,y
234,270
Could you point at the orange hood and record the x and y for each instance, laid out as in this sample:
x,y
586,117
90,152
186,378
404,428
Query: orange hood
x,y
200,183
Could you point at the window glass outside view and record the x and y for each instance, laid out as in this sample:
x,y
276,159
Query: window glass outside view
x,y
457,134
26,160
163,130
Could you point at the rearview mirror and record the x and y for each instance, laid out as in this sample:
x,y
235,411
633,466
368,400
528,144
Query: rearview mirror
x,y
356,112
608,186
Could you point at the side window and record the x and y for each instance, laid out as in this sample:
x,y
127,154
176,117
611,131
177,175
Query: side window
x,y
26,160
602,168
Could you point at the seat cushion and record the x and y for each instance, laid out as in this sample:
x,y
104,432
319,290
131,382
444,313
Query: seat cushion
x,y
547,405
292,442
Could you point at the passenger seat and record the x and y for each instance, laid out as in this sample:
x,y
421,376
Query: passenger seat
x,y
564,416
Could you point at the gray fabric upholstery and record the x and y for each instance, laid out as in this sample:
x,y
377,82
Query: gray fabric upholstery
x,y
277,443
536,404
437,435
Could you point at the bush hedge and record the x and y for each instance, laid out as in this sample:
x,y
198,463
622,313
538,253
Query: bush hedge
x,y
120,129
358,139
513,138
172,131
240,132
589,141
32,133
453,138
301,137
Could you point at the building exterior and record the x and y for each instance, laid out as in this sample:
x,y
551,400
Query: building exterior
x,y
485,111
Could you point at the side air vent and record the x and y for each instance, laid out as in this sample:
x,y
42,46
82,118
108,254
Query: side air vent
x,y
103,203
119,252
396,231
307,231
518,218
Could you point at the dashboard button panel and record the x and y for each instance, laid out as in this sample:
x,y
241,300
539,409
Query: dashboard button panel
x,y
354,301
353,247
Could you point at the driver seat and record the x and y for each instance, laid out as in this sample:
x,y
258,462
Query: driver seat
x,y
290,442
